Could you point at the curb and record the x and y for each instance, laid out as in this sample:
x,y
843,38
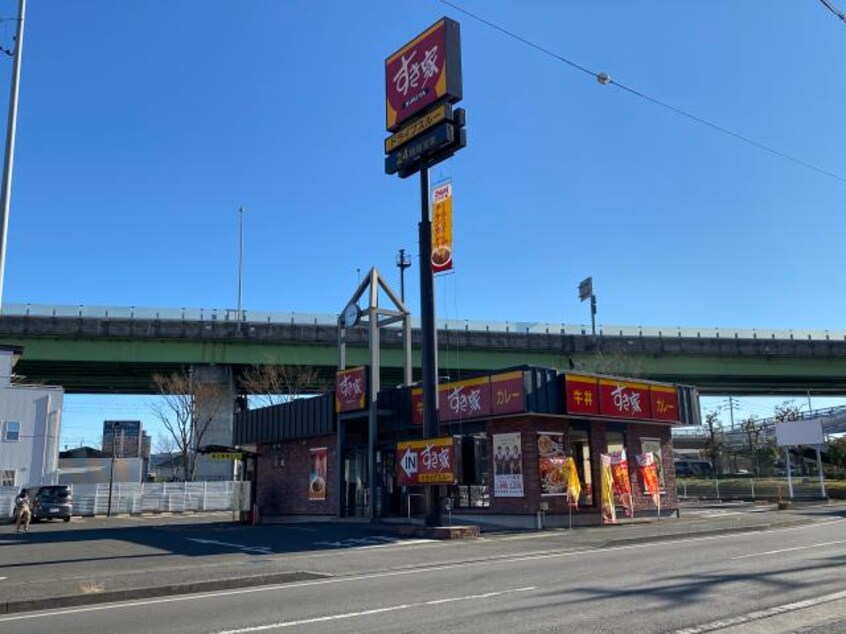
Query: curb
x,y
31,605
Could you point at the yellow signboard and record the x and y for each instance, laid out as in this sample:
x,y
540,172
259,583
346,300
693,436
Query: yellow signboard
x,y
226,456
442,228
404,135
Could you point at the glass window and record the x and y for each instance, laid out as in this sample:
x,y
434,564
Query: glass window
x,y
616,442
7,478
13,431
580,445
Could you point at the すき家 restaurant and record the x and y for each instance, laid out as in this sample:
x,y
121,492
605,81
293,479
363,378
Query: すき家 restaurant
x,y
513,446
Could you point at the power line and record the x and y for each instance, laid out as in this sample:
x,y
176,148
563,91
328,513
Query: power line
x,y
828,5
604,79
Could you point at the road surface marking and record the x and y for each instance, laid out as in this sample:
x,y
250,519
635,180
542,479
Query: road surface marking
x,y
2,578
788,550
262,550
353,615
396,573
761,614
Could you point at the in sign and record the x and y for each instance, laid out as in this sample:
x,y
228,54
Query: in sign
x,y
409,462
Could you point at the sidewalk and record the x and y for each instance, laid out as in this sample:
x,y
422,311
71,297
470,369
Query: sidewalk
x,y
96,561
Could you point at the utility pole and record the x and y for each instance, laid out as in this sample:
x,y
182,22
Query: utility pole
x,y
732,403
11,127
112,468
403,262
240,260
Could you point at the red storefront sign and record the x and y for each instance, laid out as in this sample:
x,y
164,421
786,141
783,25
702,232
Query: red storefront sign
x,y
508,393
665,403
430,461
350,389
423,72
582,394
623,399
475,398
464,399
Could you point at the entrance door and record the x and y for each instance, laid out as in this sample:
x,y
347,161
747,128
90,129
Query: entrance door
x,y
355,475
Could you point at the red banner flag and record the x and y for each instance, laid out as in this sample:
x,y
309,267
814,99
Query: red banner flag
x,y
622,482
649,473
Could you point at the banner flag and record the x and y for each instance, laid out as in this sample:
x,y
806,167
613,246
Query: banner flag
x,y
606,485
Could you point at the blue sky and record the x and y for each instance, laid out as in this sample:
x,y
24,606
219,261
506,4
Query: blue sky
x,y
143,127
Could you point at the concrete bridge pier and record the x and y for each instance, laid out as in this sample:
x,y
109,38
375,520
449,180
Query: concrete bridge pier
x,y
221,409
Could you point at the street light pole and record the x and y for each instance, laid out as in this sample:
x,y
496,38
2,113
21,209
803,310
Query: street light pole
x,y
112,468
240,259
11,127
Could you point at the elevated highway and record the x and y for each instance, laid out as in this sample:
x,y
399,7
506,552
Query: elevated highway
x,y
116,350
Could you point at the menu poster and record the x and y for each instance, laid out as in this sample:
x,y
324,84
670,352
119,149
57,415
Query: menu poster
x,y
551,464
606,482
508,466
621,481
317,474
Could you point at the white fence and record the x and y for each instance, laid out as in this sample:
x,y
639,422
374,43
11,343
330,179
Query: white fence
x,y
149,497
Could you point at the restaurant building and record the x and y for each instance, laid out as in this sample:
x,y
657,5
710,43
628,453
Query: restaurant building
x,y
522,447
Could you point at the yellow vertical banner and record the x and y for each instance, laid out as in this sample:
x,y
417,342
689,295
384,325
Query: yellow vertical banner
x,y
442,228
574,485
606,485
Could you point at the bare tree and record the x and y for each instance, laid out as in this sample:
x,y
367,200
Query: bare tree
x,y
186,411
271,384
787,411
714,441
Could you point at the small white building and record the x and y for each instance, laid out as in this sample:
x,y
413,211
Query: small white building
x,y
30,423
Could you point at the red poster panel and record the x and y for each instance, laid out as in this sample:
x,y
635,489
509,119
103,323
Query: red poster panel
x,y
464,399
430,461
623,399
417,406
665,403
508,393
582,394
350,389
423,72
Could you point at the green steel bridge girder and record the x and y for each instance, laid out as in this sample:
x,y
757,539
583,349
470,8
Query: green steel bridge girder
x,y
125,365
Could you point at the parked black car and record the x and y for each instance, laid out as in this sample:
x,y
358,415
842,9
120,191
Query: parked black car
x,y
51,501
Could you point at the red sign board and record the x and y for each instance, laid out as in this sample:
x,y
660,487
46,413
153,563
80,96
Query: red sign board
x,y
430,461
508,393
665,403
464,399
622,399
423,72
350,389
582,394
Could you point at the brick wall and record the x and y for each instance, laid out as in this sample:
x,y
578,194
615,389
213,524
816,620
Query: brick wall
x,y
529,426
284,490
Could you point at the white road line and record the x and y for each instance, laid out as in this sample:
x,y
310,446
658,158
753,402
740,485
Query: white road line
x,y
353,615
2,578
761,614
787,550
397,573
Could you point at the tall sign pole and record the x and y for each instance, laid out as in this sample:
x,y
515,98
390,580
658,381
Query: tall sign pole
x,y
428,340
422,82
11,127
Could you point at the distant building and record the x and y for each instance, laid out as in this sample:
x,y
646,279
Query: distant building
x,y
125,439
30,423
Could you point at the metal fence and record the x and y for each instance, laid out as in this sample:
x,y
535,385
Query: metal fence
x,y
149,497
748,488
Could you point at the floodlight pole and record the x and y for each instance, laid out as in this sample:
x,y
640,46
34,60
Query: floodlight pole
x,y
428,341
11,127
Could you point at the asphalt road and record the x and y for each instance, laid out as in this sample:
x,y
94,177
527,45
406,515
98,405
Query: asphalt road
x,y
774,581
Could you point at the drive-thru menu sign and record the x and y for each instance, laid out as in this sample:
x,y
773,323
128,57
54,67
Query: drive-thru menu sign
x,y
430,461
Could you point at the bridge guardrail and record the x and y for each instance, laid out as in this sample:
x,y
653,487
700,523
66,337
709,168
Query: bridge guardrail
x,y
328,319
